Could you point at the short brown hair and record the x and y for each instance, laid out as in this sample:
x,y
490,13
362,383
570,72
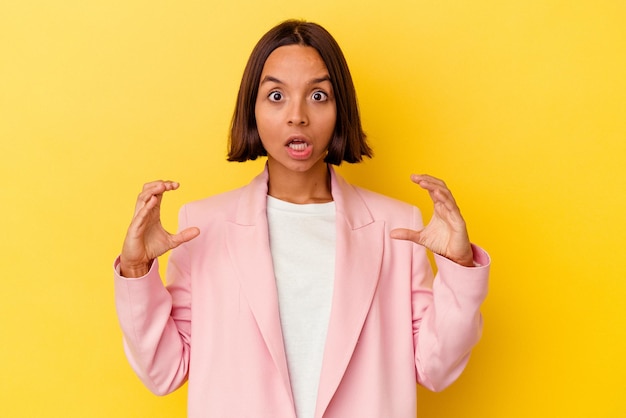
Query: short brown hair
x,y
348,142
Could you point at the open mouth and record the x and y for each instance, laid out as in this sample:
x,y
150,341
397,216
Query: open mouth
x,y
299,148
297,145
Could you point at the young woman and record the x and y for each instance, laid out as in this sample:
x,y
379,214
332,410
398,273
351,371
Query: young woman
x,y
299,295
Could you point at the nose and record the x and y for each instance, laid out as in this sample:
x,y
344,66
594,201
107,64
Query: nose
x,y
298,113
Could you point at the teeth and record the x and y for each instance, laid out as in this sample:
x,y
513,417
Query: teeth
x,y
298,146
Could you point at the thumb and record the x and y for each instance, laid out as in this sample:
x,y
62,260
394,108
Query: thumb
x,y
184,236
406,234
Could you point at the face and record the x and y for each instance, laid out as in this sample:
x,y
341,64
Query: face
x,y
295,109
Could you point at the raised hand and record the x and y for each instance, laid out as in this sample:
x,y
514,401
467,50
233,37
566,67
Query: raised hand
x,y
446,233
146,239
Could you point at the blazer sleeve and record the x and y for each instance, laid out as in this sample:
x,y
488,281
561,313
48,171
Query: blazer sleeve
x,y
156,321
447,322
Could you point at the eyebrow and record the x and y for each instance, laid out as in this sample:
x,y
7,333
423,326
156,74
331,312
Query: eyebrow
x,y
270,79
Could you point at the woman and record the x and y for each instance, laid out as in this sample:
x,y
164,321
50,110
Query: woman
x,y
299,295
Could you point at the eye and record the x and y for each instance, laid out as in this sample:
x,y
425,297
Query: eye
x,y
275,96
319,96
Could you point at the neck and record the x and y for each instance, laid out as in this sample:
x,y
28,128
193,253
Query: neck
x,y
312,186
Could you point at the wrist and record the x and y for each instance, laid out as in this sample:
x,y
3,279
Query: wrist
x,y
467,260
465,263
134,271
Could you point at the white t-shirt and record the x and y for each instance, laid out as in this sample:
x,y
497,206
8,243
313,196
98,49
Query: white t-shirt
x,y
302,242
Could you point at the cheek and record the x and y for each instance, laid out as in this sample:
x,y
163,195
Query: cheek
x,y
257,115
326,117
333,115
264,113
332,121
261,120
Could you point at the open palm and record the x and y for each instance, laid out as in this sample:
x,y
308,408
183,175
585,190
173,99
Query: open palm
x,y
446,233
146,238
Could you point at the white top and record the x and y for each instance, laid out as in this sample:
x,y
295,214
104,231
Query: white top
x,y
302,242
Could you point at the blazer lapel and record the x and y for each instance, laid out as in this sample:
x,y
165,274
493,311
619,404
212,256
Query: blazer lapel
x,y
359,250
249,251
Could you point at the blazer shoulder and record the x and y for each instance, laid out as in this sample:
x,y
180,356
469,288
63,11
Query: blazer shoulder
x,y
385,206
220,206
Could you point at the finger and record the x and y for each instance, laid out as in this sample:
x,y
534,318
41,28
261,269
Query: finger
x,y
159,184
184,236
141,220
427,179
445,207
155,188
149,190
144,211
431,184
437,190
406,234
146,216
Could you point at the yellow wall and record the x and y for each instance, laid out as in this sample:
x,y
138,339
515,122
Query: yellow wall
x,y
520,106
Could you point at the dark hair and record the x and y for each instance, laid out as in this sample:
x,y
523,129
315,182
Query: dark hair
x,y
348,142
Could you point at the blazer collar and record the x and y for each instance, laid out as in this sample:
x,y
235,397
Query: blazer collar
x,y
350,205
359,249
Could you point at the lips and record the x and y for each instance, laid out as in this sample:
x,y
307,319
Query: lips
x,y
298,147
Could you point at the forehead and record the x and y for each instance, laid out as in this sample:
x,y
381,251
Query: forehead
x,y
294,60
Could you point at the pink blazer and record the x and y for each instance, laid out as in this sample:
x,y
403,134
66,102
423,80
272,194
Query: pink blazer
x,y
217,325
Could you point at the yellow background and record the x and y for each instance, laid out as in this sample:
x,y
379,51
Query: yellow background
x,y
518,105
